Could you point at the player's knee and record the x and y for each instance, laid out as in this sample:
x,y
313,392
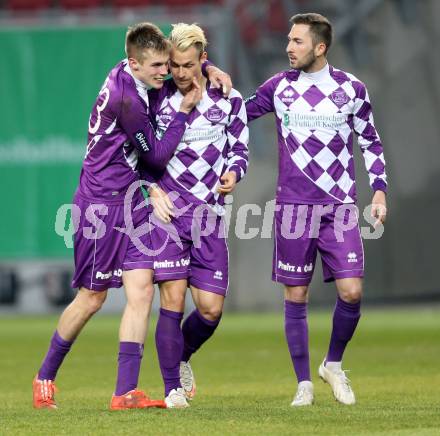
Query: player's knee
x,y
298,294
95,300
352,294
141,298
212,313
171,301
172,295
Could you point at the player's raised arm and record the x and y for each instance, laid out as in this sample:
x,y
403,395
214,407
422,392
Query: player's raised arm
x,y
217,77
261,103
155,152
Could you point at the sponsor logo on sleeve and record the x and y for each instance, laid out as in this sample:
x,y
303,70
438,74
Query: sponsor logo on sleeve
x,y
142,140
252,97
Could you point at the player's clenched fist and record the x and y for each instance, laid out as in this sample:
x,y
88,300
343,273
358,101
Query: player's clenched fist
x,y
229,180
379,208
163,206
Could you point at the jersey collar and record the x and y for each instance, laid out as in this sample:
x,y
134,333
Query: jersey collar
x,y
317,76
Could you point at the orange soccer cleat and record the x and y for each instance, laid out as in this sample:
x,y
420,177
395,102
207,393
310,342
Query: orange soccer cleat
x,y
135,399
44,393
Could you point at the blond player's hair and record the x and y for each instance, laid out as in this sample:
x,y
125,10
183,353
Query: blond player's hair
x,y
183,36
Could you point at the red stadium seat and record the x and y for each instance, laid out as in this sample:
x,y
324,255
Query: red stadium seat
x,y
80,4
249,28
183,2
28,5
130,3
277,17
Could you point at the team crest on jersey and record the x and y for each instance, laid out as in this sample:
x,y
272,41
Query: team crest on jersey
x,y
214,114
166,115
339,97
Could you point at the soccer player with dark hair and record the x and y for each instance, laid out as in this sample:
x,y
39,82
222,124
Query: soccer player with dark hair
x,y
121,133
317,109
208,163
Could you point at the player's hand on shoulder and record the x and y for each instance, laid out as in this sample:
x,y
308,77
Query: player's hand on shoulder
x,y
219,79
379,208
229,180
163,207
191,98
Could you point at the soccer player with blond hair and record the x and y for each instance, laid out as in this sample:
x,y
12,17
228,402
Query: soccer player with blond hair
x,y
208,163
121,133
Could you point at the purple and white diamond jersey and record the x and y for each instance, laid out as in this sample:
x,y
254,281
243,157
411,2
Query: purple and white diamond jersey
x,y
316,114
215,141
121,132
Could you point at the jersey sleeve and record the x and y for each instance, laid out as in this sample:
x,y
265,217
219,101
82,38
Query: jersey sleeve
x,y
205,65
261,102
238,136
136,122
368,139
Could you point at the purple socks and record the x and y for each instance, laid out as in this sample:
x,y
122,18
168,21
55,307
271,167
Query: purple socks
x,y
345,320
54,358
169,344
175,344
196,331
129,365
297,335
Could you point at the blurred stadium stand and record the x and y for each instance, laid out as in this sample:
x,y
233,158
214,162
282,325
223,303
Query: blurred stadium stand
x,y
386,43
27,5
130,3
80,4
32,5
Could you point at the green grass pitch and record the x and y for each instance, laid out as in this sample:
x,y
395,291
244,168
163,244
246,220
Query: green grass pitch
x,y
244,378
